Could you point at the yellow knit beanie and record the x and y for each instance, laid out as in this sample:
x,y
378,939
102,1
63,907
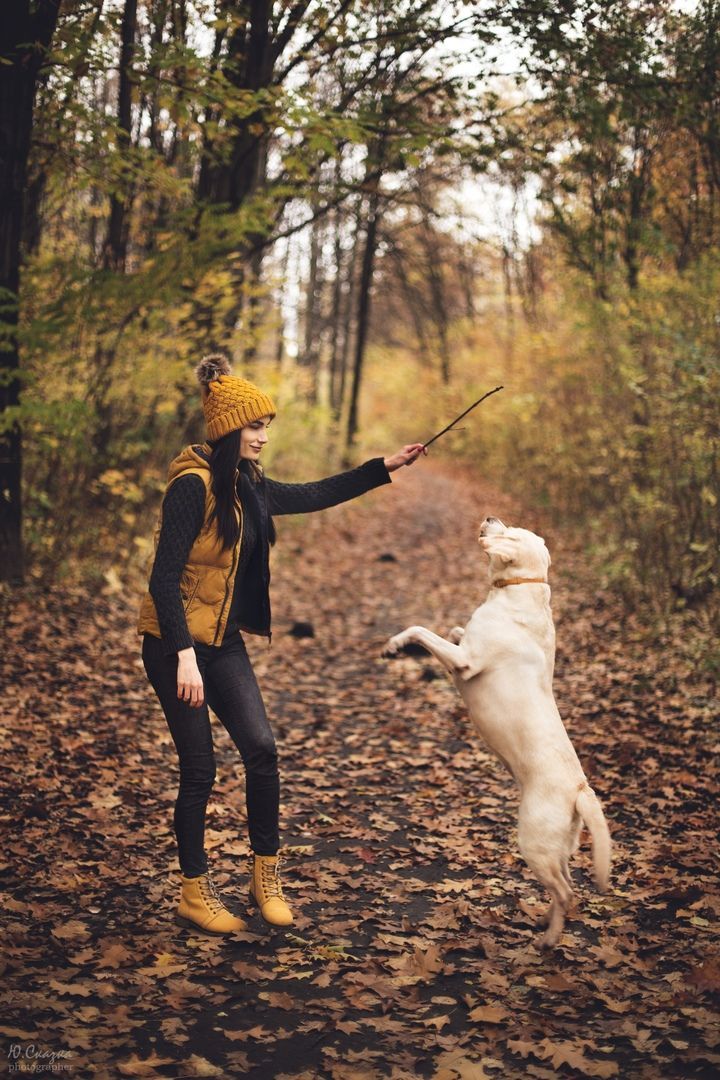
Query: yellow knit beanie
x,y
229,402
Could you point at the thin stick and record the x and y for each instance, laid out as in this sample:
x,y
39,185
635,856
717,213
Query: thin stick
x,y
474,404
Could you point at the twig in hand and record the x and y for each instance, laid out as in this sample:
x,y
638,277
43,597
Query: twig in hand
x,y
469,409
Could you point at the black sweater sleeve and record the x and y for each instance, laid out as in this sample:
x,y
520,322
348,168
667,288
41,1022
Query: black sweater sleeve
x,y
319,494
183,512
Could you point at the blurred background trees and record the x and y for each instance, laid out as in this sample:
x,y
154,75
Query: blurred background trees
x,y
379,211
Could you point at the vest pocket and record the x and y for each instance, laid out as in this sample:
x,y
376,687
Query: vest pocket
x,y
188,586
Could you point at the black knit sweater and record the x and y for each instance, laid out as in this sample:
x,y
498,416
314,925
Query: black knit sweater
x,y
183,513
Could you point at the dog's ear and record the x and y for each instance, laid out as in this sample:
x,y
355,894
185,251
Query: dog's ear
x,y
499,548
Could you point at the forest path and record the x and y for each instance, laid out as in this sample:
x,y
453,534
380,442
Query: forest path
x,y
414,949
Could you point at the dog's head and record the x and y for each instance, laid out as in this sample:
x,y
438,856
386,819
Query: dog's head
x,y
513,551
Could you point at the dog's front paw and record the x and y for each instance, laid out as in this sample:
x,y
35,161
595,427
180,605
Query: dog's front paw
x,y
393,646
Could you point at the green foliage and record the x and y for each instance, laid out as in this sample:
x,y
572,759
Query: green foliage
x,y
108,343
610,423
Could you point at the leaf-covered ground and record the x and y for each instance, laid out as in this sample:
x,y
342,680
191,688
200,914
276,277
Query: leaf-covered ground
x,y
414,950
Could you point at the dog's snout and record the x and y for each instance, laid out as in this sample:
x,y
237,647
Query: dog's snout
x,y
490,526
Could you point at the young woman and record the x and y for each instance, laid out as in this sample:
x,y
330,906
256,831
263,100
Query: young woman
x,y
209,584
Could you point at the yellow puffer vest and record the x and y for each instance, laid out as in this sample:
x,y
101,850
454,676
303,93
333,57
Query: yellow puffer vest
x,y
206,583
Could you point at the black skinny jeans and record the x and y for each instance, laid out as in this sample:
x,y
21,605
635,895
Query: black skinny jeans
x,y
232,692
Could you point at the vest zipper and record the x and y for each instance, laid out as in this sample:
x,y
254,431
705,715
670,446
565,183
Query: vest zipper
x,y
236,552
266,566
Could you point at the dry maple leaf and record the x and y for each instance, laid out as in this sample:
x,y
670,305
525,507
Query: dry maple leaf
x,y
200,1066
165,964
16,1032
278,1000
136,1066
521,1047
423,963
706,976
75,989
456,1065
438,1022
257,1032
115,956
488,1014
568,1053
73,928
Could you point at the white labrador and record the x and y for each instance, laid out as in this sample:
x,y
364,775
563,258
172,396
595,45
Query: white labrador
x,y
502,663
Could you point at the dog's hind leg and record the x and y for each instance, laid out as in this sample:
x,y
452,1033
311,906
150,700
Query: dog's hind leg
x,y
561,899
566,873
572,846
542,846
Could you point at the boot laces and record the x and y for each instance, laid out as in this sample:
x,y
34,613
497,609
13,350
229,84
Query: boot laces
x,y
270,880
209,893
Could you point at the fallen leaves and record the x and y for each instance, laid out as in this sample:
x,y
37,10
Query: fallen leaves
x,y
573,1054
706,976
73,989
421,963
488,1014
70,930
414,943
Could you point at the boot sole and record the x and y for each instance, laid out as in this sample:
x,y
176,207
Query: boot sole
x,y
182,921
278,926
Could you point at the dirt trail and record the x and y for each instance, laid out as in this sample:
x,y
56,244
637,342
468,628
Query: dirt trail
x,y
414,950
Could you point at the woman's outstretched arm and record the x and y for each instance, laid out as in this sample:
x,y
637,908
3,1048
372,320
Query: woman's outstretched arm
x,y
320,494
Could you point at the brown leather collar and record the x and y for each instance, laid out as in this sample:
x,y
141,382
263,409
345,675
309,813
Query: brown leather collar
x,y
503,581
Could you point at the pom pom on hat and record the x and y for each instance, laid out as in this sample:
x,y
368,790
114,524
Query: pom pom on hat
x,y
229,402
212,367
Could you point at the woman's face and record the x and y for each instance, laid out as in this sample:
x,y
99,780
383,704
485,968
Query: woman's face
x,y
253,437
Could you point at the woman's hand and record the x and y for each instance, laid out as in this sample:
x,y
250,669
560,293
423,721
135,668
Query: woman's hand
x,y
406,456
189,680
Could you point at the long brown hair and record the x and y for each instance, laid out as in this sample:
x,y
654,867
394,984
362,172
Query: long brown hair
x,y
224,459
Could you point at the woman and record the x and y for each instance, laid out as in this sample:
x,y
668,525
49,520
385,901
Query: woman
x,y
210,581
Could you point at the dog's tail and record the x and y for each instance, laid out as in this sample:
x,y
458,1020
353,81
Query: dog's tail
x,y
588,807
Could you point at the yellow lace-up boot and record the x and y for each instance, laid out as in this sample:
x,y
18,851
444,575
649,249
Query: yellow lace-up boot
x,y
266,890
201,907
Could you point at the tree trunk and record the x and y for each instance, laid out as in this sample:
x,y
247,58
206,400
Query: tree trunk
x,y
310,355
24,37
363,312
336,312
415,308
437,293
248,66
507,260
116,243
253,308
347,309
639,177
